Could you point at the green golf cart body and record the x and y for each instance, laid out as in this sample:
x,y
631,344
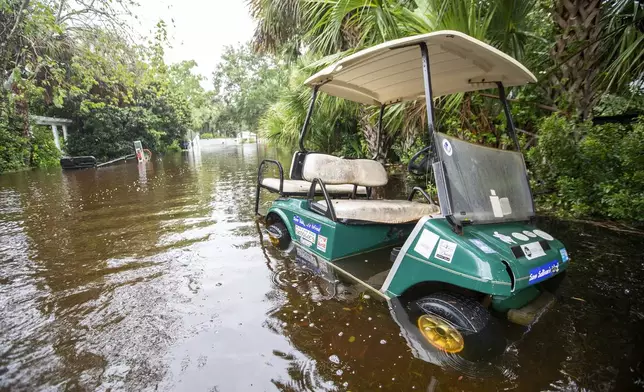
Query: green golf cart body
x,y
476,237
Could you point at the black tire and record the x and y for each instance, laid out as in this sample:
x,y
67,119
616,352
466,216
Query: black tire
x,y
480,332
279,235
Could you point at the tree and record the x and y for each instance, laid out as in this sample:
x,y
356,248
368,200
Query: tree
x,y
245,84
337,28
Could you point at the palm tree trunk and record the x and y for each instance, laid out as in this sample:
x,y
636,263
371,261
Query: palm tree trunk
x,y
576,54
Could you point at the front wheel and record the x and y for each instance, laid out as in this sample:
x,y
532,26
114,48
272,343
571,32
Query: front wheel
x,y
454,324
279,235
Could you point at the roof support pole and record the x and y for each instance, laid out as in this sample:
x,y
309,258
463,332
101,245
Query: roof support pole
x,y
380,127
65,132
508,115
429,101
308,118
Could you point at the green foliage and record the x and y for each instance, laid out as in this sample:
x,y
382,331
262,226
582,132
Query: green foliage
x,y
13,151
333,126
116,92
246,84
584,170
44,152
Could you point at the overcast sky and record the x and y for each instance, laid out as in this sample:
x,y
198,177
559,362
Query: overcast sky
x,y
201,28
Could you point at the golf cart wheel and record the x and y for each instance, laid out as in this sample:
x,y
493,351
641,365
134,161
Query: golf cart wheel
x,y
279,235
446,320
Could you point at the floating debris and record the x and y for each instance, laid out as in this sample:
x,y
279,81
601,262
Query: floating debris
x,y
335,359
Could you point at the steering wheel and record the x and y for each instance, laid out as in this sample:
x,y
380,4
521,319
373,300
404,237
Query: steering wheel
x,y
420,163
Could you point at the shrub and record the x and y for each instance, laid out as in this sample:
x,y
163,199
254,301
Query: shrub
x,y
44,152
585,170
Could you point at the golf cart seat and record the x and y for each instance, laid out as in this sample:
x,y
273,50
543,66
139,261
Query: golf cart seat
x,y
297,186
325,169
381,211
301,187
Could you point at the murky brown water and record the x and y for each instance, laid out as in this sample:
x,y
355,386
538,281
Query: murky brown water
x,y
158,278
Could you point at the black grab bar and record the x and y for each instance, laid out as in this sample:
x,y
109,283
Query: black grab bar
x,y
260,178
330,211
422,192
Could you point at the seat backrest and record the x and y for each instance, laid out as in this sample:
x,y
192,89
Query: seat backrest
x,y
297,164
334,170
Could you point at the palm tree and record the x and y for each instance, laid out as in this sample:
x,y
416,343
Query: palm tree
x,y
335,28
599,48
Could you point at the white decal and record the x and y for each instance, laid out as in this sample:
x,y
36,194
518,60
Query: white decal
x,y
445,250
532,250
426,243
543,235
496,204
520,236
322,243
505,206
529,233
482,246
504,238
447,147
307,237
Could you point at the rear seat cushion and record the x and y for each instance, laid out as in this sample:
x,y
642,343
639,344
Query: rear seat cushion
x,y
382,211
335,170
298,186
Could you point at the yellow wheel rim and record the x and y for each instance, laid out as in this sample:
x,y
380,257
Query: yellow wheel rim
x,y
275,241
440,334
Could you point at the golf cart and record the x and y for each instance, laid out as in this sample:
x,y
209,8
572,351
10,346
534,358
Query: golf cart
x,y
468,251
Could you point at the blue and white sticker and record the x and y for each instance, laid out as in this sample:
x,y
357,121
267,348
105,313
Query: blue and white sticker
x,y
306,232
310,226
543,272
447,147
482,246
564,254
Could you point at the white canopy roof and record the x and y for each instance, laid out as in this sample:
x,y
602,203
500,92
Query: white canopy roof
x,y
393,72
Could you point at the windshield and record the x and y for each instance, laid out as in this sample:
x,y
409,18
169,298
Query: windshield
x,y
482,184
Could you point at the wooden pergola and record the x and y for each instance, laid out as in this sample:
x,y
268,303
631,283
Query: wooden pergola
x,y
54,123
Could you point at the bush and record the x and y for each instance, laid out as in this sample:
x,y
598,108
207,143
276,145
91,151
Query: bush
x,y
44,152
13,152
585,170
174,147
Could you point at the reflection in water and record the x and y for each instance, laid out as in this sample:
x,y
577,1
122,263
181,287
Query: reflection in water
x,y
157,276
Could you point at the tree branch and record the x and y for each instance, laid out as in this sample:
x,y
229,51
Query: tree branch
x,y
24,5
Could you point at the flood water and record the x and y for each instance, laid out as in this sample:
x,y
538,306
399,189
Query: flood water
x,y
158,277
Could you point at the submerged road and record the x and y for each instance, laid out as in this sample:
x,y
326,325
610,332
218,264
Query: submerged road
x,y
158,277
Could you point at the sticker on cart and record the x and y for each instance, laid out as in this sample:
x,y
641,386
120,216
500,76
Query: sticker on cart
x,y
529,234
564,254
426,243
307,237
520,236
543,272
532,250
445,251
543,235
322,243
447,147
482,246
505,238
316,227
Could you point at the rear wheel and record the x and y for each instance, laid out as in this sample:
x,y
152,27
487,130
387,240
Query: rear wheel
x,y
455,324
279,235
